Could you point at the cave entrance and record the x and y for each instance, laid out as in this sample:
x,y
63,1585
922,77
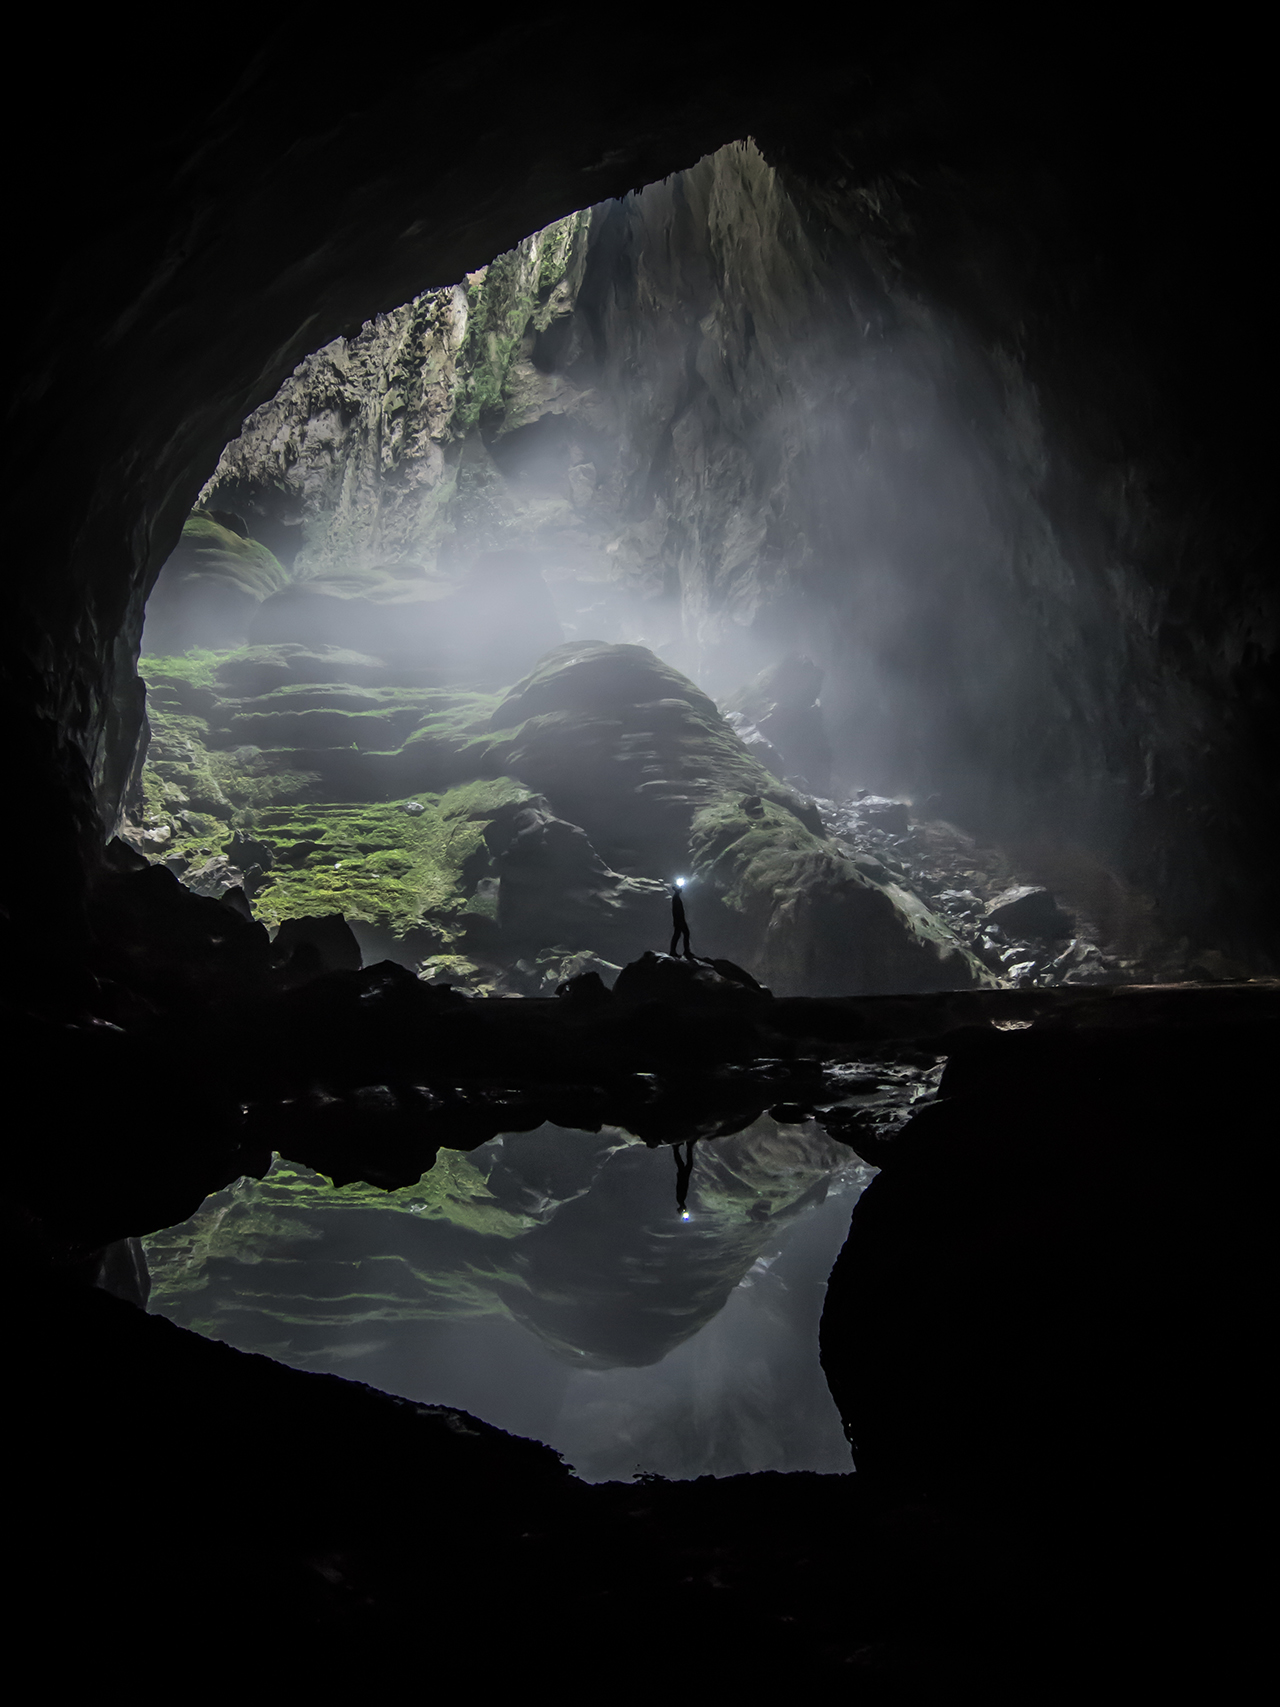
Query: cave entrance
x,y
671,543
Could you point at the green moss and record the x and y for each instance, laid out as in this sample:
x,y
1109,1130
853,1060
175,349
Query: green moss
x,y
196,667
810,919
212,549
749,858
295,745
295,1251
505,301
380,864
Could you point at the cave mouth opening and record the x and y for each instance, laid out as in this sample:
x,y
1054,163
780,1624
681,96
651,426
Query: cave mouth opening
x,y
703,496
691,421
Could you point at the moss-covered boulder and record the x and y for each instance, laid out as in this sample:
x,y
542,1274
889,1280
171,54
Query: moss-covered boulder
x,y
209,590
630,749
638,756
807,919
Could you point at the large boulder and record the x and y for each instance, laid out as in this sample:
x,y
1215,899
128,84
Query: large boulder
x,y
630,749
696,984
1030,911
638,756
554,887
308,947
807,919
209,590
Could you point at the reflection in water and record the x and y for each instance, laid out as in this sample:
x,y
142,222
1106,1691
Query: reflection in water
x,y
552,1283
684,1170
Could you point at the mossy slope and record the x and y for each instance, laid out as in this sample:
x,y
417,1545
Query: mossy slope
x,y
374,797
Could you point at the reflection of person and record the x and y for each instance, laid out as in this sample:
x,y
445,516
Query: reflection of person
x,y
684,1170
679,923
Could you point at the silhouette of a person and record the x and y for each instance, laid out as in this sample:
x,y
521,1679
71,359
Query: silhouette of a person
x,y
679,923
684,1171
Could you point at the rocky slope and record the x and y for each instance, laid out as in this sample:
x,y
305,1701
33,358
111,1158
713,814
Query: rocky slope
x,y
518,837
714,421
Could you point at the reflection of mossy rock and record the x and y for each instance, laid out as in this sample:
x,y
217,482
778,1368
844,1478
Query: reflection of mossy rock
x,y
209,590
576,1234
616,1279
265,1261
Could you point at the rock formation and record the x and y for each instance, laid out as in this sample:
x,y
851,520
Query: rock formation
x,y
463,831
1066,230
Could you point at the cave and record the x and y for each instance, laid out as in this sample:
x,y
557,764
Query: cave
x,y
841,490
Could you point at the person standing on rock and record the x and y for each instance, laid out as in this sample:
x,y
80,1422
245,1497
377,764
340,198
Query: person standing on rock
x,y
680,925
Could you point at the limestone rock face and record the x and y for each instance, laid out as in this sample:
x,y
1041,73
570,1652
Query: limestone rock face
x,y
710,422
554,887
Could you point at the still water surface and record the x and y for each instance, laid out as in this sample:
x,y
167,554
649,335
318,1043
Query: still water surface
x,y
548,1283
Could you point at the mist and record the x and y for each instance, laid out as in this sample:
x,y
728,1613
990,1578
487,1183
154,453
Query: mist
x,y
706,424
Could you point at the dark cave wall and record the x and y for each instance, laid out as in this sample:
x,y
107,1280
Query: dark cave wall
x,y
1052,207
1074,235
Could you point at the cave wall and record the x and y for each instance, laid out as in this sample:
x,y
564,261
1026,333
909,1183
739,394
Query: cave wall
x,y
1048,211
723,427
726,418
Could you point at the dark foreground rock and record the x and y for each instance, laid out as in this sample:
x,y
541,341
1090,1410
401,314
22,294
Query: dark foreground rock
x,y
1047,1383
1040,1333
